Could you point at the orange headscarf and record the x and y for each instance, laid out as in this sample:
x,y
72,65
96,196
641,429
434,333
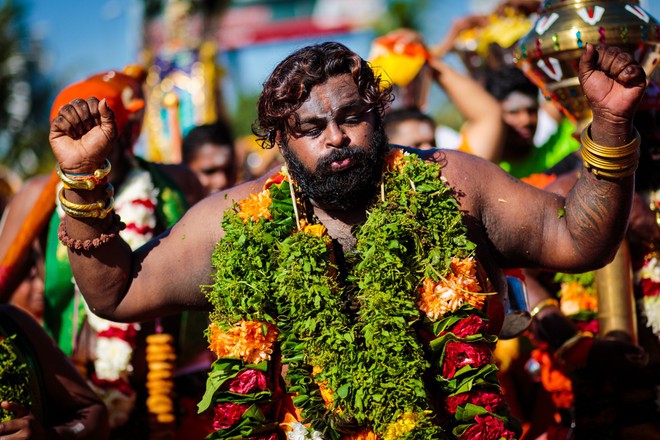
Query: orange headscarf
x,y
122,91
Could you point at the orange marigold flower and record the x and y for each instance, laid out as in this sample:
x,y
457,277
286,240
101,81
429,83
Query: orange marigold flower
x,y
554,381
575,298
450,293
316,230
394,160
245,340
326,394
361,435
255,206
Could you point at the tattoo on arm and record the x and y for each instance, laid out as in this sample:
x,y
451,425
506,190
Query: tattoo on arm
x,y
590,211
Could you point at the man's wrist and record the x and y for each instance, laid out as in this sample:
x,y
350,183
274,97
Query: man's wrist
x,y
612,133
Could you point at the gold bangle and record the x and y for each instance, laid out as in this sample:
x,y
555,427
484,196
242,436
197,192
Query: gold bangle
x,y
85,181
548,302
610,162
99,204
98,209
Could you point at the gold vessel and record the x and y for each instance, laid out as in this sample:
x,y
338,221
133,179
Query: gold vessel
x,y
550,52
549,55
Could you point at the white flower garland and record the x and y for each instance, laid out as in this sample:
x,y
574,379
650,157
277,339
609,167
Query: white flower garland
x,y
300,432
649,277
135,203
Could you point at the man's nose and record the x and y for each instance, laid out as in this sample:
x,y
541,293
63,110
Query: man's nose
x,y
528,117
336,136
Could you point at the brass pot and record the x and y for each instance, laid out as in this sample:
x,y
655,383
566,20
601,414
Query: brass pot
x,y
549,54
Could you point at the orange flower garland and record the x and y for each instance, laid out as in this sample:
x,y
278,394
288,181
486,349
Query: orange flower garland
x,y
250,341
356,356
461,286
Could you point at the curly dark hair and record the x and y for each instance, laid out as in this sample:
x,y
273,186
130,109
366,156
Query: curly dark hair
x,y
506,80
291,82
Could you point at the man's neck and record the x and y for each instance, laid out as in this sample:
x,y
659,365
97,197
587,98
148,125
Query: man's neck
x,y
340,223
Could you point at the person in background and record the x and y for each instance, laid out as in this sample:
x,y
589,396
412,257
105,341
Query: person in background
x,y
519,99
209,152
291,254
152,197
59,404
612,397
410,127
482,132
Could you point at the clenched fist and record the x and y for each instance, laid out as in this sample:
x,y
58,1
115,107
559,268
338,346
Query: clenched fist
x,y
82,135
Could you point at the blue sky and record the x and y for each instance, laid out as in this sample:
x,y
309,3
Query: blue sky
x,y
81,37
84,37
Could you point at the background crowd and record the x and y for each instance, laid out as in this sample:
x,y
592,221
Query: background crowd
x,y
572,373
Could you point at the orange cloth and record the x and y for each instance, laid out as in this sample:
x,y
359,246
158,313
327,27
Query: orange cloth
x,y
122,91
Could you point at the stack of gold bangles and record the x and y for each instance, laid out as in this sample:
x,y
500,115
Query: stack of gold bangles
x,y
610,162
87,181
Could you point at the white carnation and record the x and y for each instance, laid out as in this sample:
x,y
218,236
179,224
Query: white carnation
x,y
100,325
299,432
119,405
651,270
652,312
113,358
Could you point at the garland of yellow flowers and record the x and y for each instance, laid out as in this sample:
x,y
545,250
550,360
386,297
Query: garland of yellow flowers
x,y
355,366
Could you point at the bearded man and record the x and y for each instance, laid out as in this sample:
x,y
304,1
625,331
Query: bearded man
x,y
352,293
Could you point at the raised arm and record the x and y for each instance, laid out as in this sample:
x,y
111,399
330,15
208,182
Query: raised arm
x,y
529,227
162,277
483,129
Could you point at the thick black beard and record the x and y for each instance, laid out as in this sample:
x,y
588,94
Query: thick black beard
x,y
344,190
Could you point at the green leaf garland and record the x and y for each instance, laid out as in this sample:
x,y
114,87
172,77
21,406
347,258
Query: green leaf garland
x,y
352,352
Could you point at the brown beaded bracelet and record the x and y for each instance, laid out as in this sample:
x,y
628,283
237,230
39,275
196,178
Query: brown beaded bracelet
x,y
116,226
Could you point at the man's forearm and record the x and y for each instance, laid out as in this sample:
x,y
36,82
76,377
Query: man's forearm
x,y
597,208
102,273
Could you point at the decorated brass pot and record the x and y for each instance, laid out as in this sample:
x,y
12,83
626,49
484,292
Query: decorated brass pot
x,y
549,54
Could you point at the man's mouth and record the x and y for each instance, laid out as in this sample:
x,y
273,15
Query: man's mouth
x,y
340,165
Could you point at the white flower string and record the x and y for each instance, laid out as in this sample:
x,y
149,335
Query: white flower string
x,y
135,202
648,276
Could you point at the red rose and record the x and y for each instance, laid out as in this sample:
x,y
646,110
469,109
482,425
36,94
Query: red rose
x,y
460,354
588,326
127,335
227,414
650,287
487,427
248,381
491,402
468,326
120,384
455,401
